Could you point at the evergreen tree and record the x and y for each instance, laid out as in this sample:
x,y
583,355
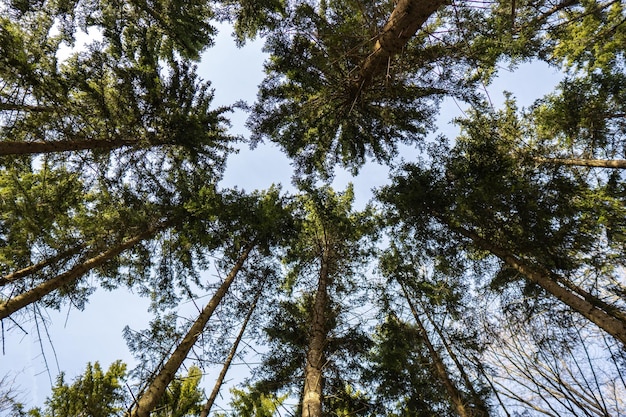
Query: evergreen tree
x,y
96,393
111,156
314,350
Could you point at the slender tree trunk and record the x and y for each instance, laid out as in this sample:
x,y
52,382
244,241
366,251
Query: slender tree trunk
x,y
206,410
440,367
150,398
23,108
406,19
315,358
597,163
590,307
29,270
494,389
28,148
22,300
480,408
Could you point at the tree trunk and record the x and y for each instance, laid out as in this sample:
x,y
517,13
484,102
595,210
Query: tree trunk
x,y
596,163
156,389
29,270
315,358
405,20
206,410
590,307
480,408
24,108
22,300
440,367
28,148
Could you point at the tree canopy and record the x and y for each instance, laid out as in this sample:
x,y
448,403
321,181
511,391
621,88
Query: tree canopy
x,y
485,278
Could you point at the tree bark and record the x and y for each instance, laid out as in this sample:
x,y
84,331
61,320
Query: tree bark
x,y
590,307
406,19
448,348
150,398
440,368
24,108
22,300
29,148
206,410
595,163
480,408
29,270
315,358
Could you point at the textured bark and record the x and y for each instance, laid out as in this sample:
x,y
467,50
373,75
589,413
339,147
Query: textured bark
x,y
22,300
596,163
28,148
29,270
406,19
440,368
591,307
315,358
150,398
206,410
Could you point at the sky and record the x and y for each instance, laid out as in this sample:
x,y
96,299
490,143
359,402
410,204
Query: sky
x,y
95,334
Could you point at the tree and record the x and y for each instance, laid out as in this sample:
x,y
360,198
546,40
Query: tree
x,y
336,92
104,394
231,354
9,398
266,215
439,302
154,392
251,404
332,237
111,158
314,351
552,376
94,393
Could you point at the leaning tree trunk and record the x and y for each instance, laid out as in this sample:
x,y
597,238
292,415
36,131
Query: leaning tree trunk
x,y
315,358
32,269
29,148
150,398
440,368
480,408
611,321
595,163
22,300
206,410
406,19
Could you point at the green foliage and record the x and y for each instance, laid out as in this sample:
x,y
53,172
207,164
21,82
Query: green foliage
x,y
593,37
583,117
39,210
310,105
250,403
251,17
127,138
402,372
95,393
329,224
183,396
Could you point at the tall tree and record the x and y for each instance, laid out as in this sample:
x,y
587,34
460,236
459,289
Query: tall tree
x,y
333,238
266,215
338,89
105,141
104,394
314,349
206,409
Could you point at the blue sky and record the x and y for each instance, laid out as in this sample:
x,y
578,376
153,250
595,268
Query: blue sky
x,y
96,333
